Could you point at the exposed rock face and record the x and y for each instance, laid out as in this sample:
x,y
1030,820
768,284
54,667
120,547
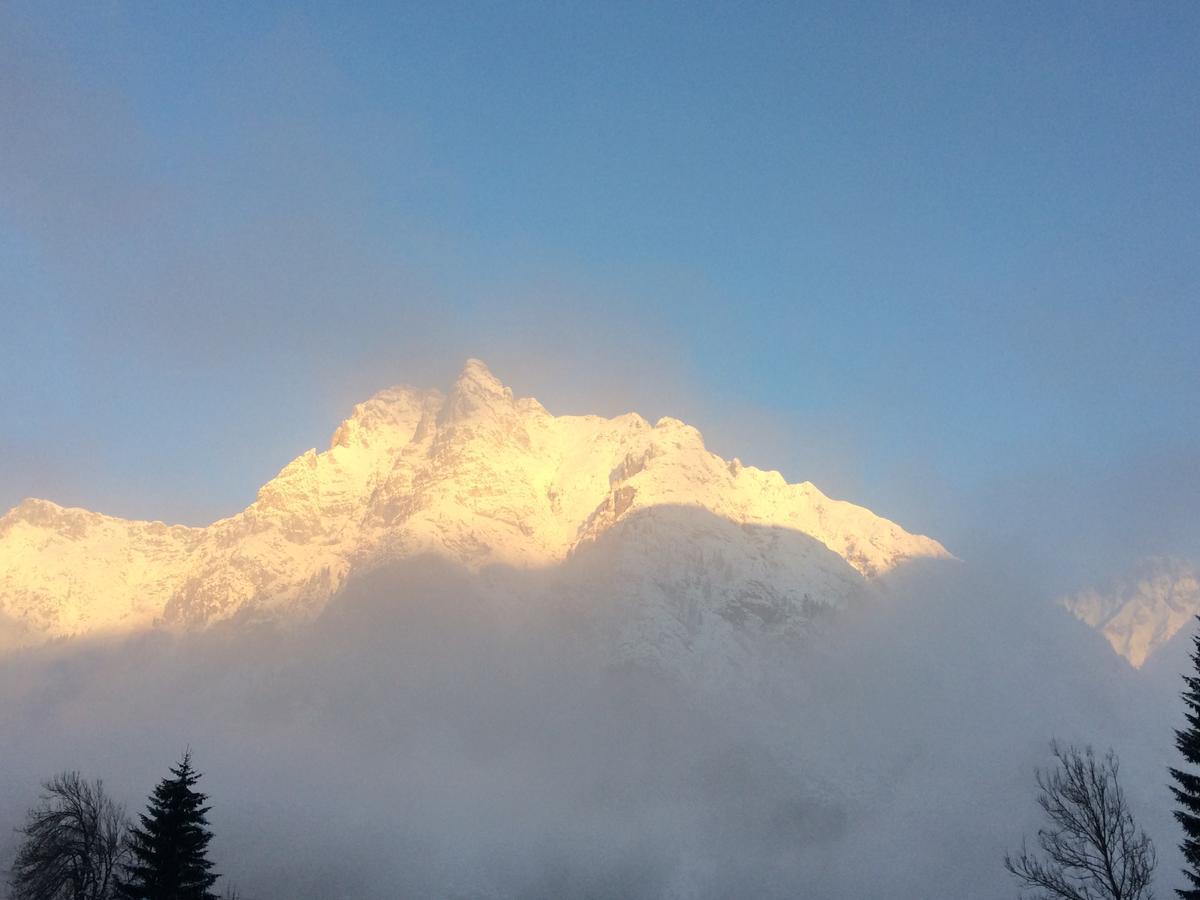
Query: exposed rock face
x,y
1140,613
483,479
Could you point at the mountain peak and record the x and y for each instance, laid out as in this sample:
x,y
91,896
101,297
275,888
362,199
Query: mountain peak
x,y
478,378
475,390
474,476
1139,613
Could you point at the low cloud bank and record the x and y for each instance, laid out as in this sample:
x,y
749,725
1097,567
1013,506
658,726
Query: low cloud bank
x,y
422,740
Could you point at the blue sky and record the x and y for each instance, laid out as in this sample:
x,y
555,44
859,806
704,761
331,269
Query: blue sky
x,y
942,260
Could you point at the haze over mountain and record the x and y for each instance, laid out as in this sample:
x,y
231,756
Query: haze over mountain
x,y
1142,612
936,261
463,610
481,479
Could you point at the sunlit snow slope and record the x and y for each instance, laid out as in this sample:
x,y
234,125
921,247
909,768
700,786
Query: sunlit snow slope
x,y
476,476
1140,613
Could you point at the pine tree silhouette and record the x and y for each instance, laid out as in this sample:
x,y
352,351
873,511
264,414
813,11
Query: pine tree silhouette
x,y
169,848
1187,784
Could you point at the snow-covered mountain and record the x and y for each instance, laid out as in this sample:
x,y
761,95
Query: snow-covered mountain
x,y
1138,614
489,482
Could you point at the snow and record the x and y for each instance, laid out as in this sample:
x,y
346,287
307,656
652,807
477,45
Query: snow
x,y
476,476
1140,613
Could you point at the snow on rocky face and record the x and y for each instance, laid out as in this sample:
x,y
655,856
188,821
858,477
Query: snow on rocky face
x,y
1140,613
484,480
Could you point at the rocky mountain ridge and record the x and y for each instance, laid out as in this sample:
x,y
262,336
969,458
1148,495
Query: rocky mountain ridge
x,y
480,478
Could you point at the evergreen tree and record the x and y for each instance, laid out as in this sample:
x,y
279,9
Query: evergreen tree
x,y
1187,784
169,849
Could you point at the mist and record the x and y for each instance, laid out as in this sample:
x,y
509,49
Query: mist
x,y
938,262
423,738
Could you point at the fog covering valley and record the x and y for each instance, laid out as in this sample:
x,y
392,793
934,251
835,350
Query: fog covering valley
x,y
475,649
424,738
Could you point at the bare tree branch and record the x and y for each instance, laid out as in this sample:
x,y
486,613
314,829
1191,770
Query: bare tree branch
x,y
1092,849
74,843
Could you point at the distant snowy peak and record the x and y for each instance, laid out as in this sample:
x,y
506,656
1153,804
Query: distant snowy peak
x,y
1140,613
474,475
